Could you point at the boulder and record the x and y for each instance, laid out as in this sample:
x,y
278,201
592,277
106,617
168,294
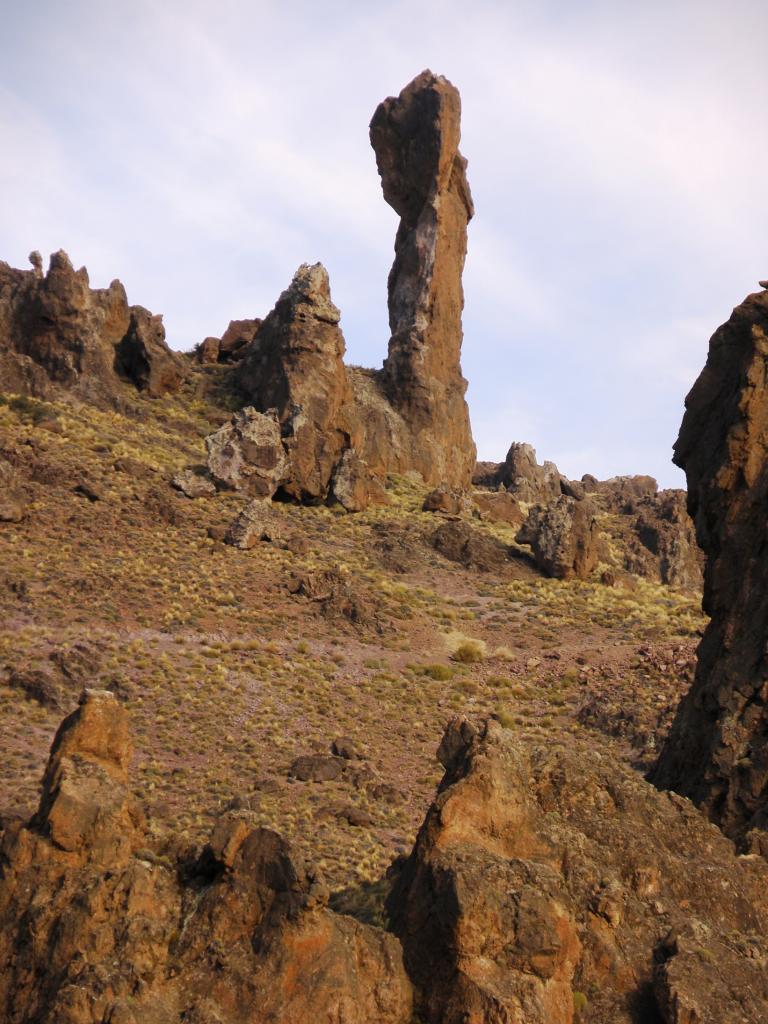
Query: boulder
x,y
662,545
563,537
194,483
498,507
717,749
258,521
459,542
423,177
353,486
446,499
247,454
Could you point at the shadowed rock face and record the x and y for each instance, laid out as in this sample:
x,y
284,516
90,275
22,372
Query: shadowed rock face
x,y
546,878
717,751
59,334
423,176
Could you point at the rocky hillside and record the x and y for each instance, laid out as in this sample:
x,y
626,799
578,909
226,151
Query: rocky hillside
x,y
308,717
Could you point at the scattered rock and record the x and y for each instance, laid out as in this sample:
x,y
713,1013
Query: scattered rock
x,y
258,521
445,499
459,542
37,685
346,748
194,483
317,768
563,537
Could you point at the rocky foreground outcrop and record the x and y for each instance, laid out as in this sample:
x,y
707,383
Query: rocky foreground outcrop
x,y
548,884
57,334
98,929
717,750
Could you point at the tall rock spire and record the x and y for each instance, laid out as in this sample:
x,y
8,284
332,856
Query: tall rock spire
x,y
423,175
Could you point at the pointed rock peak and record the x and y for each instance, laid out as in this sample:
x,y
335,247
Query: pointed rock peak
x,y
311,288
97,731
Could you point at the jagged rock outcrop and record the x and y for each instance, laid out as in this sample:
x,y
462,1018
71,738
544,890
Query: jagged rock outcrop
x,y
423,175
621,490
57,334
717,750
95,928
523,477
547,879
563,537
258,521
295,365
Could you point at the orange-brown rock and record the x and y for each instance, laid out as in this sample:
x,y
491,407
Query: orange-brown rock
x,y
717,750
295,365
547,879
423,175
95,928
57,334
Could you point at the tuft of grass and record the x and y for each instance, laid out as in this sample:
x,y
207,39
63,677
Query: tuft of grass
x,y
468,652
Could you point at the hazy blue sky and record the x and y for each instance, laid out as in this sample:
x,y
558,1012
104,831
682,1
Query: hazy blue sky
x,y
200,151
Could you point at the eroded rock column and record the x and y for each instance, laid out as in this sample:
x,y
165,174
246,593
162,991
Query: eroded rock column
x,y
423,175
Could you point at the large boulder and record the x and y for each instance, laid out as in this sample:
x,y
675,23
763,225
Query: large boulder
x,y
247,454
547,880
423,176
662,543
59,335
563,536
717,750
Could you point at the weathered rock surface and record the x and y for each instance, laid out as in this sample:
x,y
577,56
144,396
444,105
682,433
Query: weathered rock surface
x,y
258,521
459,542
545,878
498,507
247,454
523,477
662,542
231,346
13,502
353,485
446,499
423,175
295,366
57,334
563,537
96,928
195,484
717,750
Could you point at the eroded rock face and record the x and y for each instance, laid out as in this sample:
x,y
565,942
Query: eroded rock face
x,y
57,334
663,544
295,365
717,750
563,537
95,928
423,175
545,878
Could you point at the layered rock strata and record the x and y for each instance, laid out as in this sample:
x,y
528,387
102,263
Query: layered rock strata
x,y
717,750
57,334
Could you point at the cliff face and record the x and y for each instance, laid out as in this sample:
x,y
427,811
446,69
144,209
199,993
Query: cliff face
x,y
717,752
58,334
423,176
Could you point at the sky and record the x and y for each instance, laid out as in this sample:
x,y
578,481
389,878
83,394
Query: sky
x,y
200,151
